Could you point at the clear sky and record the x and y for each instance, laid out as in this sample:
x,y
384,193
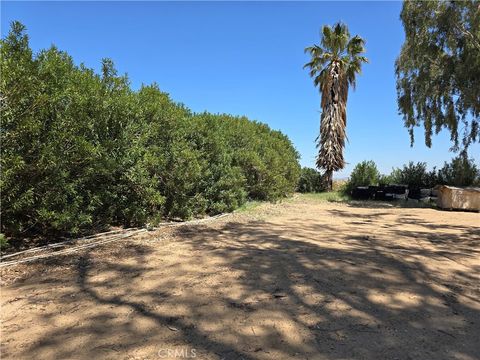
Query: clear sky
x,y
244,59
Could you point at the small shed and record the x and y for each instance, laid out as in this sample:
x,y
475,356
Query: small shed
x,y
455,198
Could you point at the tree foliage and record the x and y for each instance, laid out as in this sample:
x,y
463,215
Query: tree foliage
x,y
310,181
333,66
82,150
363,174
461,171
438,70
415,175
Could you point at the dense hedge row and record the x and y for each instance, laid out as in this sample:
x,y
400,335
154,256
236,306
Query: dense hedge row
x,y
82,151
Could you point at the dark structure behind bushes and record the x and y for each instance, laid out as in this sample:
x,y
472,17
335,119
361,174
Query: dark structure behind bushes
x,y
381,192
81,151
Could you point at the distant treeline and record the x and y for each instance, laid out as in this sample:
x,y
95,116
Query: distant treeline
x,y
460,171
81,151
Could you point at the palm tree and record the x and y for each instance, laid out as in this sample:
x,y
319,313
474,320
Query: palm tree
x,y
333,67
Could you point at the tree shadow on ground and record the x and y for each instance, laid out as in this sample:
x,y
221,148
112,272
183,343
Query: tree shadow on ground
x,y
259,290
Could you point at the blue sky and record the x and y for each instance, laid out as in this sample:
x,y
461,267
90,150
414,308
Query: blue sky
x,y
244,59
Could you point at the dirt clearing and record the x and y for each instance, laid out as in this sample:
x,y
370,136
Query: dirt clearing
x,y
303,279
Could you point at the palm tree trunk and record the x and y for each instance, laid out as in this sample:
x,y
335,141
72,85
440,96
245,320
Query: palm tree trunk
x,y
332,123
329,179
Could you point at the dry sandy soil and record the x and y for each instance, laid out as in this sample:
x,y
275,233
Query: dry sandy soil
x,y
302,279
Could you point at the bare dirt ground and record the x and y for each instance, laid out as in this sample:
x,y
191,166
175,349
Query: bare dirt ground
x,y
303,279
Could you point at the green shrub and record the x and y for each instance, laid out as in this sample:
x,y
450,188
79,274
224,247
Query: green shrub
x,y
415,175
82,151
364,174
310,181
385,179
3,242
461,171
